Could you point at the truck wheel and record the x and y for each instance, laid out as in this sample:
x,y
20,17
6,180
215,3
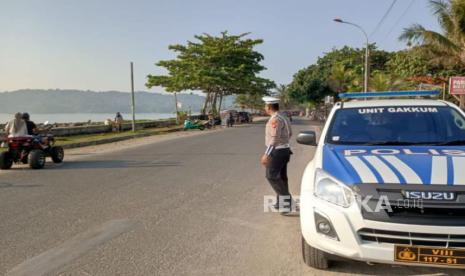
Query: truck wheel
x,y
6,162
314,257
202,127
36,159
57,154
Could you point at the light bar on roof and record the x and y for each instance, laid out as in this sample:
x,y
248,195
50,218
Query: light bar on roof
x,y
385,94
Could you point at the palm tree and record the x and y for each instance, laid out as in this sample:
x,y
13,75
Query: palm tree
x,y
284,96
342,79
386,82
448,46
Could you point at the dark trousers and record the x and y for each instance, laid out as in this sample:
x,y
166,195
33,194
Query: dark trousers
x,y
276,171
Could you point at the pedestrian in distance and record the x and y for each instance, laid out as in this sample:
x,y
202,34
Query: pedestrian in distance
x,y
289,115
211,120
119,122
230,119
277,154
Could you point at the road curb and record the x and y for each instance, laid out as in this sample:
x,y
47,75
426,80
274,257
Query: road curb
x,y
116,139
129,137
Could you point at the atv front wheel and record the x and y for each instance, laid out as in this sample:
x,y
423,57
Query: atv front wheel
x,y
36,159
6,162
57,154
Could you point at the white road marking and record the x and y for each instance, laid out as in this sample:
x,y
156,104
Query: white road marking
x,y
439,170
409,175
459,170
386,173
54,258
363,171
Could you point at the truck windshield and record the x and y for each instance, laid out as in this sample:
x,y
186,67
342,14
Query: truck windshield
x,y
397,125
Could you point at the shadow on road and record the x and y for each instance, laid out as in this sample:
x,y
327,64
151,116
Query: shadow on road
x,y
355,268
115,164
12,185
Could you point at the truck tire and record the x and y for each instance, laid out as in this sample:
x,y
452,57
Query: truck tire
x,y
6,162
36,159
314,257
57,154
202,127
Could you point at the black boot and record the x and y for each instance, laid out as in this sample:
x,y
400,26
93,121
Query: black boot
x,y
276,205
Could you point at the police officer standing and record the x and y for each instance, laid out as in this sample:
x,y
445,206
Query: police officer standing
x,y
277,154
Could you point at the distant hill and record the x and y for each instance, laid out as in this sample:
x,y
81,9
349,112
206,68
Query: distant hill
x,y
78,101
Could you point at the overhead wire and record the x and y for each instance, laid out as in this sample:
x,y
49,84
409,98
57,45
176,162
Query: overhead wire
x,y
399,19
383,18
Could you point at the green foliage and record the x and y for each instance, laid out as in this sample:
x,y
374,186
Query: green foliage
x,y
285,97
308,86
250,101
408,63
218,65
341,79
445,47
337,71
434,57
383,81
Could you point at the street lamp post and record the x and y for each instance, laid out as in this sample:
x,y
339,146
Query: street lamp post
x,y
367,53
133,102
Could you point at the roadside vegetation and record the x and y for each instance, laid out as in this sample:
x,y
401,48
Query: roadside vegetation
x,y
218,66
428,61
76,139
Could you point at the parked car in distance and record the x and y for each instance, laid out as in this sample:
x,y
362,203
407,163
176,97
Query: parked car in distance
x,y
244,117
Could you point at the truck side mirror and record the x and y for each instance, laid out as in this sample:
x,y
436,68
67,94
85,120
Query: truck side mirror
x,y
307,137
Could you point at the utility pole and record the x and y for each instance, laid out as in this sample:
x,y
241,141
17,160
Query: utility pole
x,y
367,68
133,101
176,104
367,51
444,91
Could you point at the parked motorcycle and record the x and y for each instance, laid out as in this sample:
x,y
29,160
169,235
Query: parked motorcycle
x,y
188,124
31,150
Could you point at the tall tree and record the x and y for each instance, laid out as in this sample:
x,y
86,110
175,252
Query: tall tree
x,y
308,86
217,65
336,71
448,46
284,96
343,80
382,81
251,101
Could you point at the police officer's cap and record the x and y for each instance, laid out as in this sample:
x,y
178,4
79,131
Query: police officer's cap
x,y
270,100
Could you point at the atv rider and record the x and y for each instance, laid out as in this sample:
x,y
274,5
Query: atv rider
x,y
31,126
33,131
16,127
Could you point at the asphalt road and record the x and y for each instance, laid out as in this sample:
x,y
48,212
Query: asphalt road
x,y
188,206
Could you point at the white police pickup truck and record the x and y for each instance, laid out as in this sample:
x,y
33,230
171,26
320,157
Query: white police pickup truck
x,y
387,183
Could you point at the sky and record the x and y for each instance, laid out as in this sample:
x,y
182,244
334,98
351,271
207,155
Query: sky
x,y
88,44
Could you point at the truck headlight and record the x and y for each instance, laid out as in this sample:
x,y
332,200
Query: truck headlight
x,y
331,190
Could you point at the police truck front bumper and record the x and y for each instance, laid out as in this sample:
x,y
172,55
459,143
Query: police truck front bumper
x,y
356,238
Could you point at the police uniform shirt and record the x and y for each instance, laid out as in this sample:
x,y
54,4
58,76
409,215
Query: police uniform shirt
x,y
278,132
